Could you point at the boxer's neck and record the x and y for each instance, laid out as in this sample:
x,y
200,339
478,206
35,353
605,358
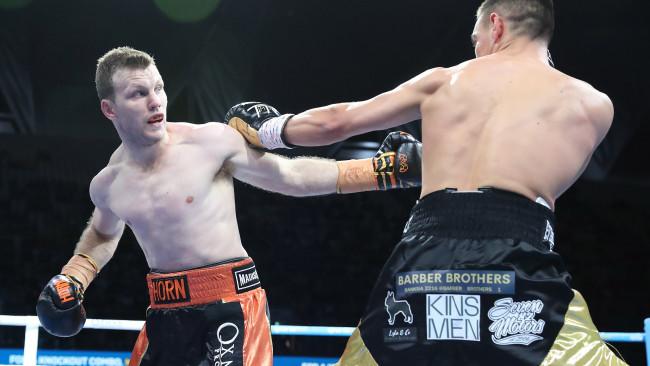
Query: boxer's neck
x,y
146,156
524,47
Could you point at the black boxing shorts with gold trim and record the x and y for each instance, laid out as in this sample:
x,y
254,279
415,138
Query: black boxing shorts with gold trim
x,y
474,281
215,315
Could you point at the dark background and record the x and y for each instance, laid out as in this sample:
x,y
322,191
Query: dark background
x,y
317,257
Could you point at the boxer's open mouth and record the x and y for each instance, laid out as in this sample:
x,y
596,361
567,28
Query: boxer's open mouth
x,y
156,118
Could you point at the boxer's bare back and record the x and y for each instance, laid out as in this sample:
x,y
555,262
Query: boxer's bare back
x,y
509,122
506,119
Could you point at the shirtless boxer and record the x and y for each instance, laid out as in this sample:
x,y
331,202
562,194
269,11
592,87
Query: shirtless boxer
x,y
171,183
475,280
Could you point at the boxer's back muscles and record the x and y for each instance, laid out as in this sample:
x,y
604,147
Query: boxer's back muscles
x,y
511,123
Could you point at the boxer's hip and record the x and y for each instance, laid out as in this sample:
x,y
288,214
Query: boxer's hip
x,y
216,314
473,280
204,285
483,214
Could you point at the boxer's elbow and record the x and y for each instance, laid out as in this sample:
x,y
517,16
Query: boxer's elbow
x,y
317,127
333,124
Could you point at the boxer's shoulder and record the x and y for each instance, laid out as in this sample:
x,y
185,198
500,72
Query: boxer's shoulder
x,y
216,138
584,103
183,132
102,181
198,133
583,90
430,80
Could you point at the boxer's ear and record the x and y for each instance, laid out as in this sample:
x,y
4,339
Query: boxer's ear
x,y
497,27
108,108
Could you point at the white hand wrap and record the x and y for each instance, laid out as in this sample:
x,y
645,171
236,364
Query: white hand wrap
x,y
270,133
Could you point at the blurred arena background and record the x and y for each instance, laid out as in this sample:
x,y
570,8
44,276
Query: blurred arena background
x,y
317,257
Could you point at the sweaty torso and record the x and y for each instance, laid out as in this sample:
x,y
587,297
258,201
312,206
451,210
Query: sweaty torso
x,y
512,124
181,209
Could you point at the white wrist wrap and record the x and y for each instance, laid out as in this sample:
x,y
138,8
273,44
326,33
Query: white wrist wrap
x,y
270,133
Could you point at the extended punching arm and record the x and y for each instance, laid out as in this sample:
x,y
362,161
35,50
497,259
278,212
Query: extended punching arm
x,y
397,164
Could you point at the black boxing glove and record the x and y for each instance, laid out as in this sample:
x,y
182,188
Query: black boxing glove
x,y
259,123
397,164
59,307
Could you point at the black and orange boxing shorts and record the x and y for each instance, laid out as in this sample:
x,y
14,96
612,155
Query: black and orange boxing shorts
x,y
475,280
215,315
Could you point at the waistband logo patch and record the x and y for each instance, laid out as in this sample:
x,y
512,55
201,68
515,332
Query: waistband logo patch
x,y
514,322
170,290
246,278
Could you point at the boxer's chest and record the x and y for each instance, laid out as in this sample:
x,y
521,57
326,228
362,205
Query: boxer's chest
x,y
164,195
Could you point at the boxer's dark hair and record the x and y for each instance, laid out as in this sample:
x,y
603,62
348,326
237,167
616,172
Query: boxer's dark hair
x,y
532,18
113,60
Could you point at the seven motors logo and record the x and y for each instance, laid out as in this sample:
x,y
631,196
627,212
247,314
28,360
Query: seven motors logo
x,y
515,323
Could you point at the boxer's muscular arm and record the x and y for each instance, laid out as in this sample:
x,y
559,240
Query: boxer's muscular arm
x,y
104,229
397,164
59,307
601,112
293,177
99,240
326,125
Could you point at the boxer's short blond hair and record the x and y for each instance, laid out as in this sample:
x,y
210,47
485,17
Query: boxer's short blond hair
x,y
113,60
